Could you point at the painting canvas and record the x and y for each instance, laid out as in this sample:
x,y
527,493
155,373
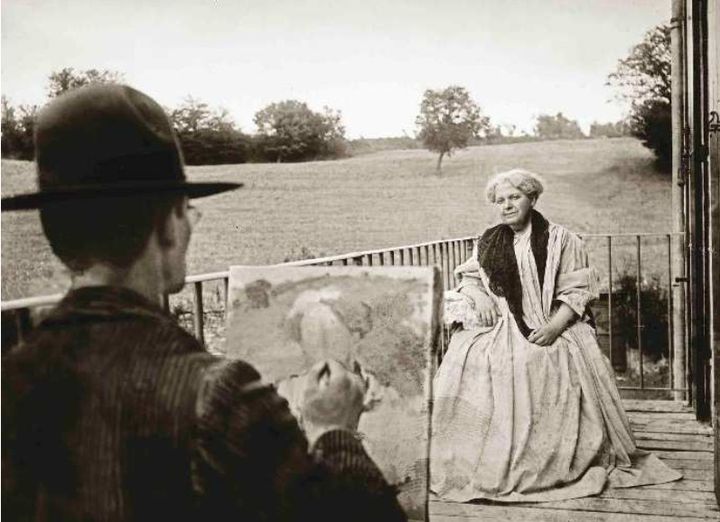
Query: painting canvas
x,y
382,320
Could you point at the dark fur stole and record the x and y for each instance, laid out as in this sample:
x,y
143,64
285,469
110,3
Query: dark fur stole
x,y
496,255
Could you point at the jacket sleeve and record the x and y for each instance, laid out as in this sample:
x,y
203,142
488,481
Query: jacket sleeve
x,y
252,459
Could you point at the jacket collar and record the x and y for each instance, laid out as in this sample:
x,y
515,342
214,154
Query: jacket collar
x,y
109,302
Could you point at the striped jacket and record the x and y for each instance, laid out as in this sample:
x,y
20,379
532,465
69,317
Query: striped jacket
x,y
113,412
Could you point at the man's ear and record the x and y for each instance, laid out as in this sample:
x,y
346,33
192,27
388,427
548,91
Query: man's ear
x,y
167,225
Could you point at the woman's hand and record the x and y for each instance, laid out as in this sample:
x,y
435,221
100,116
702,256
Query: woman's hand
x,y
484,306
545,335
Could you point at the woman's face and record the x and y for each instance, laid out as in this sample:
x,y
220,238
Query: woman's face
x,y
513,206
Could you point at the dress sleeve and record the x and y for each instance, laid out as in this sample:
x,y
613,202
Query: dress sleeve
x,y
468,273
253,461
577,281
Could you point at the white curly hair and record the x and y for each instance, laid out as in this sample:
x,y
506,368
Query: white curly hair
x,y
524,180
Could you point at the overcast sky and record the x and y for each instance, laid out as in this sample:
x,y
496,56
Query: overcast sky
x,y
371,59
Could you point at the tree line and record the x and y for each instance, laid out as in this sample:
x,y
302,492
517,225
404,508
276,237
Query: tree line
x,y
287,131
448,120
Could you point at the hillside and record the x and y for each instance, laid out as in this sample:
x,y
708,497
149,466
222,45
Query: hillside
x,y
375,200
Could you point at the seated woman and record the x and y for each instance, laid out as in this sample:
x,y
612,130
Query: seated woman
x,y
526,407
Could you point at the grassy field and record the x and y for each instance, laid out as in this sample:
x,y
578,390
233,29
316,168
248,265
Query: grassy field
x,y
376,200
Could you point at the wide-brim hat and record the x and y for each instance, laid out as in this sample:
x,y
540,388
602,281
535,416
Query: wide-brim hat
x,y
106,141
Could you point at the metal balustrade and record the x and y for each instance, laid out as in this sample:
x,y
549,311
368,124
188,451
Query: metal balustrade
x,y
446,254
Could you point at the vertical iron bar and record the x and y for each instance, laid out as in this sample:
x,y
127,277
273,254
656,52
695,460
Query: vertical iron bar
x,y
670,343
402,256
22,323
441,249
411,256
19,327
369,260
226,294
638,292
610,299
392,258
453,262
427,255
344,262
198,319
446,265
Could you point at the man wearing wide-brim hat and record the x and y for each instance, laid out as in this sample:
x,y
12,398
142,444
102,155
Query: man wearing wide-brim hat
x,y
110,410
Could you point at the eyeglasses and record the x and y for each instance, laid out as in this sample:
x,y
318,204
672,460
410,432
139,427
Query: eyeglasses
x,y
193,214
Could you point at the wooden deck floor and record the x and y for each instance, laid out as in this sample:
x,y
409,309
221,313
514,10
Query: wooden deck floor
x,y
667,428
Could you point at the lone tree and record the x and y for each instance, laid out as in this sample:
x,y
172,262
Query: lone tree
x,y
68,78
643,78
557,127
290,131
448,120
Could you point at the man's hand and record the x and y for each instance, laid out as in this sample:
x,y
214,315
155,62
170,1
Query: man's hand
x,y
332,400
484,306
545,335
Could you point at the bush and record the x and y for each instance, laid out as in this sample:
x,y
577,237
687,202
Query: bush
x,y
653,313
215,147
651,122
289,131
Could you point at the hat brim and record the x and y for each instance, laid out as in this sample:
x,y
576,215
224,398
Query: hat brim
x,y
45,198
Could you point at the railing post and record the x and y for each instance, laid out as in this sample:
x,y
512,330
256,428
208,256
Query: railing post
x,y
610,301
638,291
443,264
671,354
198,317
22,323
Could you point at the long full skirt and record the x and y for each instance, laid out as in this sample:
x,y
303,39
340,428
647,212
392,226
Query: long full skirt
x,y
514,421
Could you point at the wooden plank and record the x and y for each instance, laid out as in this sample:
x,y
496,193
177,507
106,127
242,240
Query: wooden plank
x,y
673,445
661,495
455,512
680,437
692,474
636,507
685,455
684,485
688,464
656,406
670,415
669,426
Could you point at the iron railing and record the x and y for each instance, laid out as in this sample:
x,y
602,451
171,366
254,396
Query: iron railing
x,y
446,254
